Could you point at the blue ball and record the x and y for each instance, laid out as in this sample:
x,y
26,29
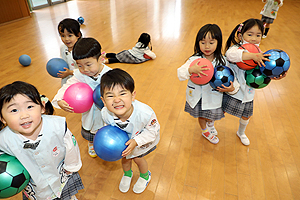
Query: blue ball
x,y
109,143
24,60
279,63
97,97
222,76
55,65
80,20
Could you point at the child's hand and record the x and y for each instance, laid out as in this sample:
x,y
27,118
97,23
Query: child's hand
x,y
196,69
131,145
64,74
230,88
65,106
280,77
260,58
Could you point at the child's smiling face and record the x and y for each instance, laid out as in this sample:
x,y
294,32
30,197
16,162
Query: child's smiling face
x,y
22,115
118,100
252,35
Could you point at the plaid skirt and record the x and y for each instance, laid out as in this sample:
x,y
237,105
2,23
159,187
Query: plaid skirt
x,y
73,185
213,114
87,135
126,57
235,107
267,20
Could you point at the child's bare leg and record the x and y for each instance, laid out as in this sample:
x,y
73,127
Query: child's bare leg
x,y
126,179
145,175
142,164
126,164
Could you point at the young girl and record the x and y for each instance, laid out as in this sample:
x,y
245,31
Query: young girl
x,y
202,101
42,143
241,103
138,54
69,31
87,52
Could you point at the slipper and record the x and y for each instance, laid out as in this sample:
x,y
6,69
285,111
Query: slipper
x,y
210,137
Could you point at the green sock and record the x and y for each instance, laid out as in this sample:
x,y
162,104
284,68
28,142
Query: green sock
x,y
128,173
145,176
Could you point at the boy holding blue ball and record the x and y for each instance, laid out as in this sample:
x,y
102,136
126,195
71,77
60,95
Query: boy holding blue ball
x,y
137,119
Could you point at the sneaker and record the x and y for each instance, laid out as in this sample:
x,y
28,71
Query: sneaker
x,y
212,129
244,139
125,183
91,150
210,137
264,36
141,184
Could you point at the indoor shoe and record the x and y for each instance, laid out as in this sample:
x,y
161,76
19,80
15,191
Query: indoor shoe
x,y
212,129
91,150
141,184
125,183
244,139
210,137
264,36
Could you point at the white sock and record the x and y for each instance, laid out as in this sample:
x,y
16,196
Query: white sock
x,y
210,124
243,125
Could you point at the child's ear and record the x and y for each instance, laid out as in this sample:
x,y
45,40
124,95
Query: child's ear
x,y
103,101
43,107
133,95
3,121
240,37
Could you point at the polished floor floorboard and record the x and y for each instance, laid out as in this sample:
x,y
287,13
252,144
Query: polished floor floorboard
x,y
185,165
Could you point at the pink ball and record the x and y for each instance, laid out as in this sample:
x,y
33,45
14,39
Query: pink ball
x,y
203,79
79,96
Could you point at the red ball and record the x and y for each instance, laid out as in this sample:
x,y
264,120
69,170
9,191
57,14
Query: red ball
x,y
203,79
79,96
248,64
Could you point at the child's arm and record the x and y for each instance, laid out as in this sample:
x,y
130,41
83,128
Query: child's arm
x,y
148,134
64,74
257,57
149,53
232,89
184,72
72,161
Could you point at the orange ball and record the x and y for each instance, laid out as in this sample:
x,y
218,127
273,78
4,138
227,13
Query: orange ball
x,y
248,64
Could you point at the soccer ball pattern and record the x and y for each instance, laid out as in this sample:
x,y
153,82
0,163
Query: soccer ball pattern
x,y
279,63
222,76
13,176
254,78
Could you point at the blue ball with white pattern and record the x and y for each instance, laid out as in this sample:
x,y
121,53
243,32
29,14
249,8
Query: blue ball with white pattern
x,y
80,20
278,65
222,76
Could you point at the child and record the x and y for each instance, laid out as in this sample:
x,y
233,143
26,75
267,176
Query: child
x,y
136,118
269,13
138,54
69,31
86,52
241,103
42,143
202,101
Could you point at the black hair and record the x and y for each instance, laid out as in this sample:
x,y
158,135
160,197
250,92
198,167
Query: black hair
x,y
241,29
145,40
86,48
71,25
216,33
116,77
9,91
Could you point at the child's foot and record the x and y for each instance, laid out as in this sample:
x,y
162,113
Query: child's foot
x,y
73,197
91,150
244,139
125,183
141,184
212,129
264,36
210,137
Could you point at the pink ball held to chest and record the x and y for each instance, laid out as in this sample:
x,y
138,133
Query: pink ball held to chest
x,y
79,96
195,78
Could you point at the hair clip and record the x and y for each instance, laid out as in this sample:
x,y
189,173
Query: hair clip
x,y
240,28
44,99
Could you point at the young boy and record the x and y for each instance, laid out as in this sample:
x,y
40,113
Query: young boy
x,y
136,118
86,53
269,13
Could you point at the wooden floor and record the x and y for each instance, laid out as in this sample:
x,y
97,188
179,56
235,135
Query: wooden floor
x,y
185,165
